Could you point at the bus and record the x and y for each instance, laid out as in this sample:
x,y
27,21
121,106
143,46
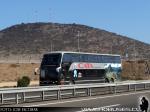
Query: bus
x,y
64,67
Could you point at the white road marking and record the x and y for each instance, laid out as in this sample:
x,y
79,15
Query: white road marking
x,y
115,105
110,96
98,108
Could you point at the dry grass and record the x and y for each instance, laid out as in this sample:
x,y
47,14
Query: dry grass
x,y
135,70
11,72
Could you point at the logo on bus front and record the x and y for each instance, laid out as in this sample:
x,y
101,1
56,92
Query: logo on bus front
x,y
75,73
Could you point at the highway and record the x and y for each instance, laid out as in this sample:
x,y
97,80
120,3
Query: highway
x,y
128,100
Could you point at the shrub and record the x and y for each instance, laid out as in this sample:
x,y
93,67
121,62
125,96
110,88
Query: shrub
x,y
23,82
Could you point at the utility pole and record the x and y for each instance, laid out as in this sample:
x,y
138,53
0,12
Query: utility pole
x,y
134,51
111,48
126,53
52,27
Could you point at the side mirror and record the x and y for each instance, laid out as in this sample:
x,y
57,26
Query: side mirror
x,y
36,71
58,69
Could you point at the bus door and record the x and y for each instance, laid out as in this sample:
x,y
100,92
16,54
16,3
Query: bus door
x,y
65,70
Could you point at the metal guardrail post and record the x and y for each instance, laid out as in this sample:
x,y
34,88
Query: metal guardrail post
x,y
2,97
24,95
145,86
43,97
129,87
74,92
58,94
115,89
89,91
17,99
110,88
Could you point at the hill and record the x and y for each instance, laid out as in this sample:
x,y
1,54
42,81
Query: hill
x,y
38,38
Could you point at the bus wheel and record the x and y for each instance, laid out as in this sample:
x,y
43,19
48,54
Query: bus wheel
x,y
71,82
112,80
106,80
61,80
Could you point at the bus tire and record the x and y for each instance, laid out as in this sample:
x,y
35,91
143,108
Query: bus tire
x,y
61,80
106,80
112,80
71,82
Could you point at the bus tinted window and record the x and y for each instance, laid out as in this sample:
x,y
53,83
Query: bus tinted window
x,y
71,57
75,57
111,59
93,58
99,58
51,59
68,57
117,59
83,58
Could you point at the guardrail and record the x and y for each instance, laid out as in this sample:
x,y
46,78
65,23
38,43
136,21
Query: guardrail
x,y
28,94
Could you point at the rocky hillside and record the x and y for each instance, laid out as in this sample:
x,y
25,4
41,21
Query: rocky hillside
x,y
38,38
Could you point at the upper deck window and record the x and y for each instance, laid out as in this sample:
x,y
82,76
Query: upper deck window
x,y
91,58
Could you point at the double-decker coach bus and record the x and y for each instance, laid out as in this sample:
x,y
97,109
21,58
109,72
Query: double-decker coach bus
x,y
61,67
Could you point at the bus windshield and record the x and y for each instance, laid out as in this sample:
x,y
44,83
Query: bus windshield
x,y
51,59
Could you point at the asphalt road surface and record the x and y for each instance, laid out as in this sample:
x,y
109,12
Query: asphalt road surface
x,y
124,101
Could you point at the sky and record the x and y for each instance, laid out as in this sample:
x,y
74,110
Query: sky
x,y
125,17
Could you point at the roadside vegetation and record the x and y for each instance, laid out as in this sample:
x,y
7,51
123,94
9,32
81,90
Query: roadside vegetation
x,y
23,82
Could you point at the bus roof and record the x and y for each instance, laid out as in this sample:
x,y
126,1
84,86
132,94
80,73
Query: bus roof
x,y
81,53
